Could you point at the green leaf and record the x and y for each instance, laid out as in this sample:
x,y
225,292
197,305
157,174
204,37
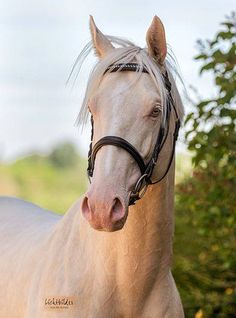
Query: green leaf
x,y
208,66
225,35
201,57
228,113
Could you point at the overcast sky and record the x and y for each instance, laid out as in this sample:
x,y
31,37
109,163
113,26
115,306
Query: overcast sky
x,y
39,41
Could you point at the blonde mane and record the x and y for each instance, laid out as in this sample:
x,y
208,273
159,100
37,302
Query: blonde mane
x,y
127,52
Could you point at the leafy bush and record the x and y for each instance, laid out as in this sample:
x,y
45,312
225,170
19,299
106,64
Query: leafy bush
x,y
64,155
206,207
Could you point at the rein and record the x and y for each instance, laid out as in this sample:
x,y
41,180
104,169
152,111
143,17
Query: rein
x,y
146,169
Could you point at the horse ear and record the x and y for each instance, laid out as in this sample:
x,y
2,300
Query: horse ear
x,y
156,40
100,42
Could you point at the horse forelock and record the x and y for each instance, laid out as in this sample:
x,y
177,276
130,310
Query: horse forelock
x,y
124,53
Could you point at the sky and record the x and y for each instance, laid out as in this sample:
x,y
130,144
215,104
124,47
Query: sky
x,y
39,41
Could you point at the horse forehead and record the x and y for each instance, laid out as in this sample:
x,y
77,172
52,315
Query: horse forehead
x,y
126,85
125,93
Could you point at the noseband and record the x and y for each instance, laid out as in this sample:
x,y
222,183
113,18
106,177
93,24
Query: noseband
x,y
145,168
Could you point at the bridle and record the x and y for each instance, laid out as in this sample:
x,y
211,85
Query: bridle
x,y
146,168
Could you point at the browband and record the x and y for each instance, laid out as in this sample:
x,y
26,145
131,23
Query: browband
x,y
131,67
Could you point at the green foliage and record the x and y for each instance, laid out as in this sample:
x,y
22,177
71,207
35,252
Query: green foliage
x,y
64,155
205,244
205,269
212,136
52,184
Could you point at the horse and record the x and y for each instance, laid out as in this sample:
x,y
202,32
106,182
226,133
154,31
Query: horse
x,y
110,255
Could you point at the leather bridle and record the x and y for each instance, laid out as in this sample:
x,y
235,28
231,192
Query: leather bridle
x,y
146,168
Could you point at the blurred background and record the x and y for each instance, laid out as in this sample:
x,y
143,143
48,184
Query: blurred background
x,y
42,153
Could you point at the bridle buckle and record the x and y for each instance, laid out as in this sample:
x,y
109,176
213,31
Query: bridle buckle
x,y
138,185
138,191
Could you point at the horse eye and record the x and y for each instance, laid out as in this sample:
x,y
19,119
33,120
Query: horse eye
x,y
156,111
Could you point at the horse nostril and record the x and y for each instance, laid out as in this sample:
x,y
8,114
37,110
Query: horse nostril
x,y
117,210
86,209
109,214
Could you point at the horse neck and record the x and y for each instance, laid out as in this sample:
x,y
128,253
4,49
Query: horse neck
x,y
147,236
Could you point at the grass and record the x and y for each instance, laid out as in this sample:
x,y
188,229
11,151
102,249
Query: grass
x,y
37,180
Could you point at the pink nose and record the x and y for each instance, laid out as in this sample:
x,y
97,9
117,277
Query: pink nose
x,y
106,213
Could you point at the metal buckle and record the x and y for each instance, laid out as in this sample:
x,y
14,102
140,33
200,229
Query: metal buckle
x,y
138,184
143,191
138,191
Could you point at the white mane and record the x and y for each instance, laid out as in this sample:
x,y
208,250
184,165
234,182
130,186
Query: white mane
x,y
127,52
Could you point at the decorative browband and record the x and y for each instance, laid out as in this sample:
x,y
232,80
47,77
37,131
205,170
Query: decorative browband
x,y
133,67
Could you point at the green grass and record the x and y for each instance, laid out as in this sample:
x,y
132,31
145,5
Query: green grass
x,y
37,180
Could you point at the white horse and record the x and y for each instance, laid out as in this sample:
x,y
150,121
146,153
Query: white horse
x,y
45,258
